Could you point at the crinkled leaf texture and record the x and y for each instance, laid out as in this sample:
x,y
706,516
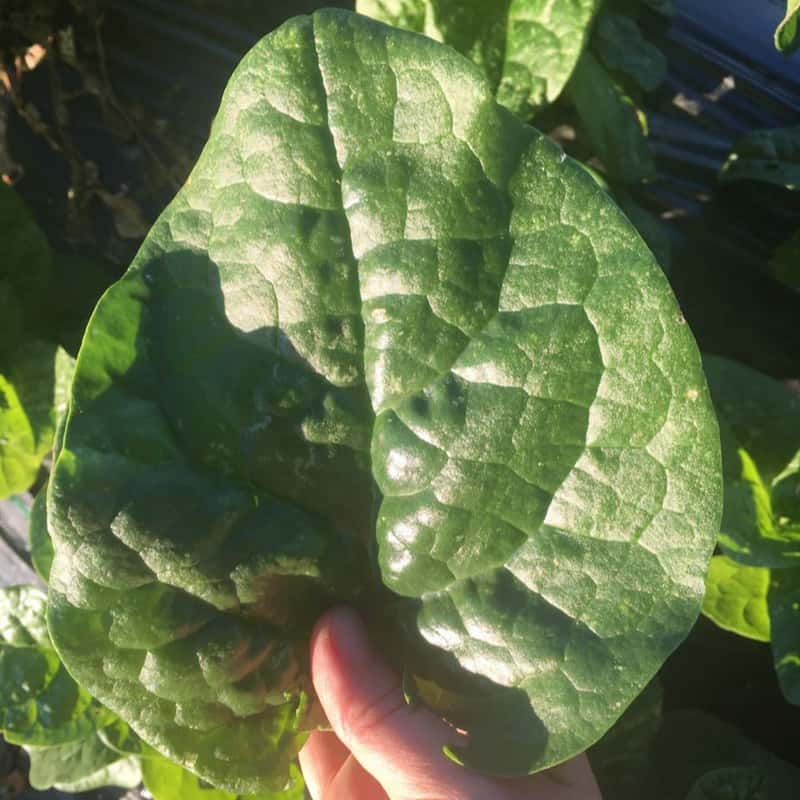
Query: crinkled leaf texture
x,y
526,48
40,704
82,765
381,312
736,598
167,781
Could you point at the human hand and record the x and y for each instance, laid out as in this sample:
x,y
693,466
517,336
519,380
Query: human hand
x,y
383,749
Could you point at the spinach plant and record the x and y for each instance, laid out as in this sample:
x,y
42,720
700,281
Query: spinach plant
x,y
43,709
27,361
754,585
388,346
590,65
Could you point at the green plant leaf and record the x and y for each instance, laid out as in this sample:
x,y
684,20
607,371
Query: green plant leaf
x,y
784,612
22,617
730,783
82,765
769,156
786,33
736,598
40,704
619,44
527,48
760,428
763,415
352,312
25,270
166,781
119,737
611,120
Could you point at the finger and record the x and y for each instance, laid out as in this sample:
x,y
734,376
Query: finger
x,y
353,782
321,758
399,745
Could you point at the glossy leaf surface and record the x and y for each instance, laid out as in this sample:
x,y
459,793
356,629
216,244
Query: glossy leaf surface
x,y
786,33
383,316
736,598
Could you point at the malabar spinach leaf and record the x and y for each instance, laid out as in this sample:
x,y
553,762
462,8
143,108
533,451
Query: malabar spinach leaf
x,y
82,765
786,33
736,598
731,783
527,48
618,42
760,424
784,612
770,156
166,781
383,317
25,270
760,428
612,122
40,704
28,361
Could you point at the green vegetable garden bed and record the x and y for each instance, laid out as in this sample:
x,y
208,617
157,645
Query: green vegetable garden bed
x,y
407,318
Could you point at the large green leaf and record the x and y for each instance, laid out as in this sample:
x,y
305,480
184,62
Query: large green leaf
x,y
611,120
736,598
355,311
527,48
786,33
82,765
167,781
770,156
40,704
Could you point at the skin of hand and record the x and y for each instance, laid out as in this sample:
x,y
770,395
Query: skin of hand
x,y
380,748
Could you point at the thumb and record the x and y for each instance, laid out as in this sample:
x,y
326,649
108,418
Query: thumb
x,y
400,745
